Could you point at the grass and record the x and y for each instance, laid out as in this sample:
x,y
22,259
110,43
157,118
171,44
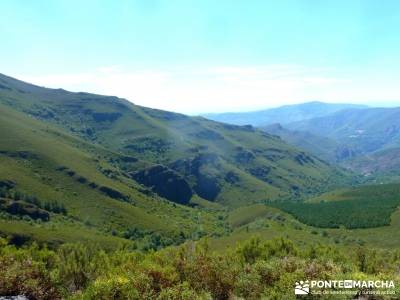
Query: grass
x,y
305,236
55,234
269,222
247,214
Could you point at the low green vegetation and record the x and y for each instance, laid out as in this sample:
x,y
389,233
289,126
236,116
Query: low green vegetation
x,y
56,188
245,215
363,207
16,203
252,270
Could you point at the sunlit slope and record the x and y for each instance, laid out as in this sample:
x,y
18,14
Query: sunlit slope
x,y
233,165
373,211
42,161
269,222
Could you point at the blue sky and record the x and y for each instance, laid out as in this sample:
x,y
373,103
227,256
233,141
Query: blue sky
x,y
204,56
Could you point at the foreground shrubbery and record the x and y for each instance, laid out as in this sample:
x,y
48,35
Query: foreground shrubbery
x,y
253,270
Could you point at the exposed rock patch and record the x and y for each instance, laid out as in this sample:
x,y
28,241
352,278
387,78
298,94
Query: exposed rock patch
x,y
165,182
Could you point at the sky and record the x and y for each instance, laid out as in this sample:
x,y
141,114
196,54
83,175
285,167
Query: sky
x,y
197,56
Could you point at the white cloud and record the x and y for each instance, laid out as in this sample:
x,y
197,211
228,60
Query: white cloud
x,y
224,88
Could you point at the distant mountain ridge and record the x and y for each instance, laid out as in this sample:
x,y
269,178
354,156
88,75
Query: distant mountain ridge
x,y
364,140
284,114
367,130
323,147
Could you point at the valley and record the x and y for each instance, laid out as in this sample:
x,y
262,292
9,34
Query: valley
x,y
115,167
84,169
199,150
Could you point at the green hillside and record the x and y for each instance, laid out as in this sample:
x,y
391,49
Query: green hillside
x,y
366,216
40,161
232,165
363,207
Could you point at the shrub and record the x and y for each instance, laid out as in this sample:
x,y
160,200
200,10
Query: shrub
x,y
26,272
79,264
254,270
115,287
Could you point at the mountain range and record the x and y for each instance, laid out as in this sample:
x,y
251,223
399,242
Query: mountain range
x,y
284,114
368,139
366,130
363,139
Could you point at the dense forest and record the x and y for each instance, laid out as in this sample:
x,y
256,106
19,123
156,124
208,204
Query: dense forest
x,y
365,207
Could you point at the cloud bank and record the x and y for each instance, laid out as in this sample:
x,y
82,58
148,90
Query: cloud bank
x,y
221,88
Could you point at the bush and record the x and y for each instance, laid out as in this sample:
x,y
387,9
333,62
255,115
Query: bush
x,y
79,264
26,272
253,270
116,287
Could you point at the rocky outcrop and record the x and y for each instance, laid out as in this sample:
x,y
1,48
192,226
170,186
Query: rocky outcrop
x,y
207,187
343,153
244,157
22,208
165,182
7,184
110,192
202,170
303,159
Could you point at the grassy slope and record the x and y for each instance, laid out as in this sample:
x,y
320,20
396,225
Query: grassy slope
x,y
94,213
41,177
268,223
361,207
264,165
